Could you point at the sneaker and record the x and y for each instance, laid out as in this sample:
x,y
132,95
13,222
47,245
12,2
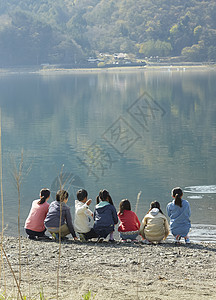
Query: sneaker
x,y
111,241
100,240
55,236
44,237
123,241
135,241
147,242
128,241
32,237
177,239
82,238
187,240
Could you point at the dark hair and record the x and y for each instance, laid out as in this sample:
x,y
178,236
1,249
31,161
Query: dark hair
x,y
82,194
61,195
104,196
155,204
124,205
177,194
44,194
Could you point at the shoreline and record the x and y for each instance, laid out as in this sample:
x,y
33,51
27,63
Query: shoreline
x,y
111,271
198,233
127,69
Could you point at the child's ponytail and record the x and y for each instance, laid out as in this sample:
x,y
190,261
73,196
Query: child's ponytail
x,y
110,199
178,200
177,194
97,199
44,194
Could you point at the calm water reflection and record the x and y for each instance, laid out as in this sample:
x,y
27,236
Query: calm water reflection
x,y
123,131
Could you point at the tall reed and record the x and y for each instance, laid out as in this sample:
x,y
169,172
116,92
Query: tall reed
x,y
61,183
17,175
2,207
138,252
137,201
17,283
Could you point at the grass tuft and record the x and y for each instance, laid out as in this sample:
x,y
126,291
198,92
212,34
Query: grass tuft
x,y
88,296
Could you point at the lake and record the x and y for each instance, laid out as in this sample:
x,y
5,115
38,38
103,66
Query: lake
x,y
125,131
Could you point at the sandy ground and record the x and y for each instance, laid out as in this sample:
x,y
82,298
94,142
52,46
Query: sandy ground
x,y
111,271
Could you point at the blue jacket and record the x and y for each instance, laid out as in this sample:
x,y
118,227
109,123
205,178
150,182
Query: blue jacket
x,y
105,216
179,218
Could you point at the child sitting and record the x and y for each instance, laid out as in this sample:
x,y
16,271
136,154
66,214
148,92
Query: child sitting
x,y
83,222
154,226
130,224
179,212
34,224
58,220
105,216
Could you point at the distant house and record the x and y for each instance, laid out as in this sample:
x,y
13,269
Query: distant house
x,y
122,56
93,60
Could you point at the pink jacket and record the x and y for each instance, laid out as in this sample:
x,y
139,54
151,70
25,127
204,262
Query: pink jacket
x,y
36,217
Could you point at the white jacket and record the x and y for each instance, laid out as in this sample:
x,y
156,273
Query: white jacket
x,y
83,221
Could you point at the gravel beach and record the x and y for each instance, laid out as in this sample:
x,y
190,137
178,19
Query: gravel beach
x,y
110,270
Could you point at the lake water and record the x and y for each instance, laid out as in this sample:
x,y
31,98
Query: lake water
x,y
126,131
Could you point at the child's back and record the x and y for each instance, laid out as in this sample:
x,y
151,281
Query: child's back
x,y
179,212
179,218
105,215
34,224
83,221
130,224
35,220
129,221
154,226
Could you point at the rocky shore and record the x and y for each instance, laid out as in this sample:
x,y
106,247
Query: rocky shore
x,y
109,270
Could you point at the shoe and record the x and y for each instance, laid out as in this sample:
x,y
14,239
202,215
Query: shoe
x,y
100,240
64,238
82,238
32,237
135,241
187,240
123,241
55,236
177,239
44,237
111,241
147,242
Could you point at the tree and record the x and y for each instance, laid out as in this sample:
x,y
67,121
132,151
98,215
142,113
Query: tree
x,y
195,53
155,48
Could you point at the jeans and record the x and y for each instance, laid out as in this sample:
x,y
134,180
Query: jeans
x,y
103,232
90,234
129,235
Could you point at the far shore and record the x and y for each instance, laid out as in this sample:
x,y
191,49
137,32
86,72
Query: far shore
x,y
149,67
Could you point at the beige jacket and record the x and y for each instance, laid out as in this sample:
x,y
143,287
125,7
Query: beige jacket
x,y
154,226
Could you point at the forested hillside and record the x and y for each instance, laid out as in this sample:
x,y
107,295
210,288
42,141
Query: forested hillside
x,y
34,32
